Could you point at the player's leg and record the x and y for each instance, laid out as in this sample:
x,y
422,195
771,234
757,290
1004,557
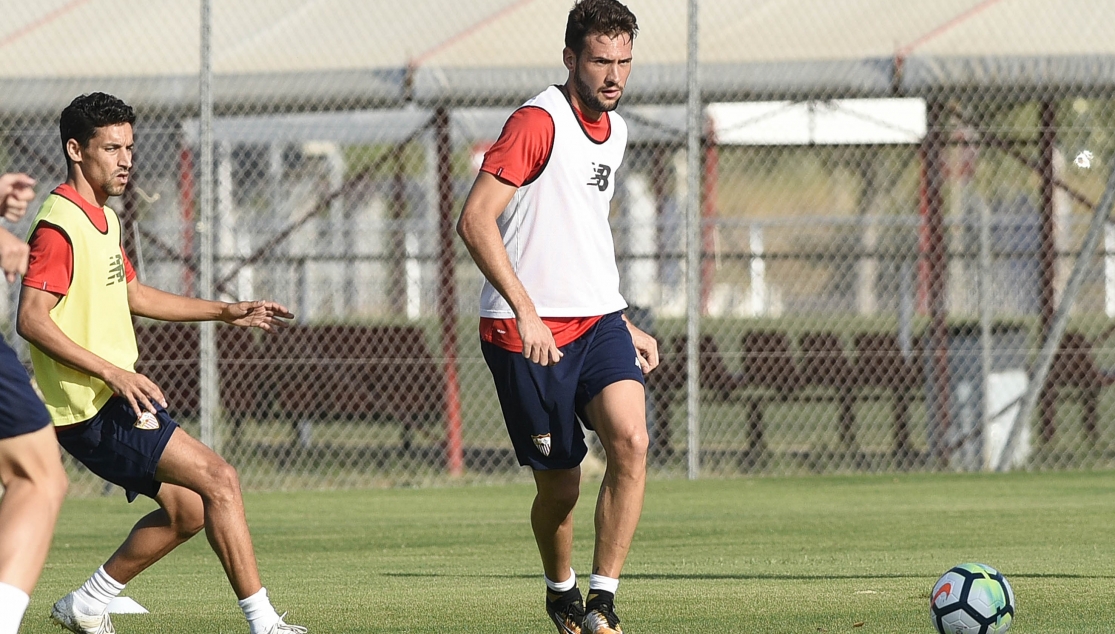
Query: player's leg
x,y
180,516
124,450
619,418
611,399
193,486
551,519
34,487
538,408
188,463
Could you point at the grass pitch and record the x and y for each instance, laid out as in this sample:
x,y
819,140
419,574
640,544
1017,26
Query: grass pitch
x,y
810,554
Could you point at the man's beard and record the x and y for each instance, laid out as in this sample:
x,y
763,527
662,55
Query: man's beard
x,y
589,98
112,188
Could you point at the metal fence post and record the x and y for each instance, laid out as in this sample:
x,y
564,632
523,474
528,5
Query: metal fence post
x,y
693,244
208,348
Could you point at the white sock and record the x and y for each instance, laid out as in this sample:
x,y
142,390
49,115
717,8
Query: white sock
x,y
93,597
600,582
562,586
13,603
260,613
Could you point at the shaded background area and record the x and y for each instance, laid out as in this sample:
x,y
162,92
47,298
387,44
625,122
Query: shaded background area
x,y
887,216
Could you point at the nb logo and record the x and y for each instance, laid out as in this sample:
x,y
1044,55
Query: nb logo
x,y
600,175
115,270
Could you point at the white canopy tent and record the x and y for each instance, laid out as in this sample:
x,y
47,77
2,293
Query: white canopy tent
x,y
354,53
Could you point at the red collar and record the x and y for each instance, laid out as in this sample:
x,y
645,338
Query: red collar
x,y
95,214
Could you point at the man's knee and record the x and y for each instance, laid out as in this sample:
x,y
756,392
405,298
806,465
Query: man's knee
x,y
187,517
222,482
559,492
45,476
628,446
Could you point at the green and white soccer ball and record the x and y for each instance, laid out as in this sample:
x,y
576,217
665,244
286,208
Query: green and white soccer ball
x,y
972,599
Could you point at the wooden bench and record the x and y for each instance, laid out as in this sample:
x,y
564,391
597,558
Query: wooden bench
x,y
1075,373
822,363
820,369
355,372
301,373
664,383
881,366
169,355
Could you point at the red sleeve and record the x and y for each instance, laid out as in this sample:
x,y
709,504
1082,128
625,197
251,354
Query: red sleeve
x,y
50,266
523,148
129,272
51,263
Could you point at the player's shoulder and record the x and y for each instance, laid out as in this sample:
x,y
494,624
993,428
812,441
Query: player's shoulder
x,y
55,200
531,116
549,97
49,218
532,112
59,200
617,122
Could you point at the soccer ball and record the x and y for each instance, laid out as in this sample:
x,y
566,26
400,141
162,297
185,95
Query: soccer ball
x,y
972,599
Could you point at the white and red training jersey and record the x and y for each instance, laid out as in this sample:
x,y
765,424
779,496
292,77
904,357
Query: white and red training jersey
x,y
555,228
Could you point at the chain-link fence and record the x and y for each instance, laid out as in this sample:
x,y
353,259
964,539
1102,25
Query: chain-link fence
x,y
888,219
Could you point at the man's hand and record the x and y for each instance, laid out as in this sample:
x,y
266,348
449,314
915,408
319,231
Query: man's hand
x,y
645,347
15,193
13,255
538,342
258,314
140,391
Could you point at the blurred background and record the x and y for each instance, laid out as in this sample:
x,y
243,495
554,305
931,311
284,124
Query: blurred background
x,y
856,228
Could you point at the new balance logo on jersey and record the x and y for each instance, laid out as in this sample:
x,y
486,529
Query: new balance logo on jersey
x,y
115,270
600,175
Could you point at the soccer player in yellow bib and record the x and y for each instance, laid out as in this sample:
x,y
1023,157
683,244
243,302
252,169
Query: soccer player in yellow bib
x,y
76,306
30,464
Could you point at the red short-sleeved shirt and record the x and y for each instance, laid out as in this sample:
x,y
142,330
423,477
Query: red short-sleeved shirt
x,y
517,157
50,266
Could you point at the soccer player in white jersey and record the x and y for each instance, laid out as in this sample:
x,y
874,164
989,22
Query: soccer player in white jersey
x,y
30,463
552,326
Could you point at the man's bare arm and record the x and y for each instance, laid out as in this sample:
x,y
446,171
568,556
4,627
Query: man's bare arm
x,y
36,326
147,301
478,229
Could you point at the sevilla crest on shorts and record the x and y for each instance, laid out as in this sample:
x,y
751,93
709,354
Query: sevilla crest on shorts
x,y
543,443
147,421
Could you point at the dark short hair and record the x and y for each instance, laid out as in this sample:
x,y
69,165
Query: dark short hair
x,y
80,119
598,17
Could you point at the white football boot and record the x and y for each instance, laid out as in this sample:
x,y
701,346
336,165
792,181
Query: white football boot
x,y
65,614
282,627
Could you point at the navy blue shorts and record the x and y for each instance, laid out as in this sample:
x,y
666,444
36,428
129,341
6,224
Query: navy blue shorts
x,y
21,409
119,447
541,405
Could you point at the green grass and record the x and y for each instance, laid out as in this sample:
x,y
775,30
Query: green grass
x,y
802,554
